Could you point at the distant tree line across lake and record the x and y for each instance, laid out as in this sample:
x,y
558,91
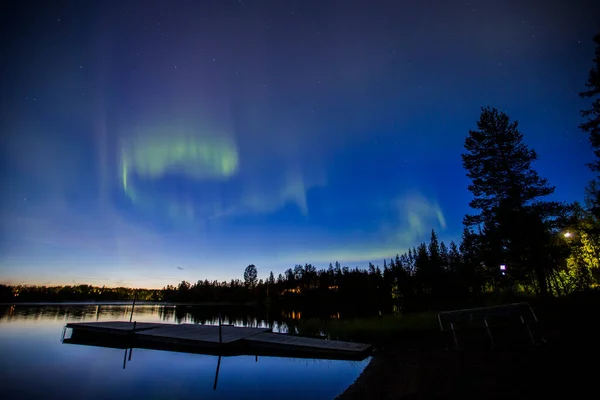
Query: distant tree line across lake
x,y
431,276
515,243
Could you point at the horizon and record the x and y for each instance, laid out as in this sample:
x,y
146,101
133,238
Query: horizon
x,y
186,141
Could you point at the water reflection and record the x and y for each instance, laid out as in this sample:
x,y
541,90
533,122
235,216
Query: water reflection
x,y
31,348
282,321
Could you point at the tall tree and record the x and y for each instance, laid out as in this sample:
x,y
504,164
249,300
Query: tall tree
x,y
250,276
434,273
444,257
507,192
499,166
470,272
592,126
422,270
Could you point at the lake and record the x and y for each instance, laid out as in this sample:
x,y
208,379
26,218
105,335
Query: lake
x,y
34,363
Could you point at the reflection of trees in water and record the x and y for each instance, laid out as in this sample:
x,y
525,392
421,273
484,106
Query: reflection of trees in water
x,y
89,312
209,315
166,313
282,321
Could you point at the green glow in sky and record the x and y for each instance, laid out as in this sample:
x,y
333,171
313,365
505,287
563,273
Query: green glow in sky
x,y
159,151
195,157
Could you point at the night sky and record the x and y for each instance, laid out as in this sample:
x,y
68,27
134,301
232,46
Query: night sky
x,y
146,143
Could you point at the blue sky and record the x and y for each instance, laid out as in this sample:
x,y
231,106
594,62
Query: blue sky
x,y
147,144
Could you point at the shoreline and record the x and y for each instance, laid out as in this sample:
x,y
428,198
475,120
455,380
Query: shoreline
x,y
388,375
124,303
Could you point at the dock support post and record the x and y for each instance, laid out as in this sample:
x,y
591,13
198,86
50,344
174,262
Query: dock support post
x,y
130,351
132,307
125,359
220,333
256,358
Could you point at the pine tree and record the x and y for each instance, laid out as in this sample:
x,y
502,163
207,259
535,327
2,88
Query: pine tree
x,y
434,249
444,257
454,259
592,126
506,192
499,166
470,272
422,270
433,276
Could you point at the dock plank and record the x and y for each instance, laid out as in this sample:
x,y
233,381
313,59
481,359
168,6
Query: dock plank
x,y
304,342
114,326
200,333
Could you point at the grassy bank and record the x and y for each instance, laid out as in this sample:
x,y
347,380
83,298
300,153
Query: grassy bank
x,y
380,331
412,363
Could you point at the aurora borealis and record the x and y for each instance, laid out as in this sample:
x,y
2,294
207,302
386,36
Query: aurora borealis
x,y
146,143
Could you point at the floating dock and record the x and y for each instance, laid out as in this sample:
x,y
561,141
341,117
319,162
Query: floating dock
x,y
227,340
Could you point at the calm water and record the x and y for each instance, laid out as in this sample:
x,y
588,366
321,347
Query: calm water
x,y
35,364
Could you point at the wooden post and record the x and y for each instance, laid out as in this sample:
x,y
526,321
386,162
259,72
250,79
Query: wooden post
x,y
125,359
132,307
130,351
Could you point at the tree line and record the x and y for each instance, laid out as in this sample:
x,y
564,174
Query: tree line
x,y
516,242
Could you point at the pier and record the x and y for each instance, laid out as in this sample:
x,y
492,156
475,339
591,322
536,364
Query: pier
x,y
226,340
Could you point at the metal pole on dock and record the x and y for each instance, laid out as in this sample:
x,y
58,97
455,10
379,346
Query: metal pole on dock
x,y
220,333
132,307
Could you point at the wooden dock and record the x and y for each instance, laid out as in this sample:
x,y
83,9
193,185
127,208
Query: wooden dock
x,y
211,339
114,327
299,343
199,334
